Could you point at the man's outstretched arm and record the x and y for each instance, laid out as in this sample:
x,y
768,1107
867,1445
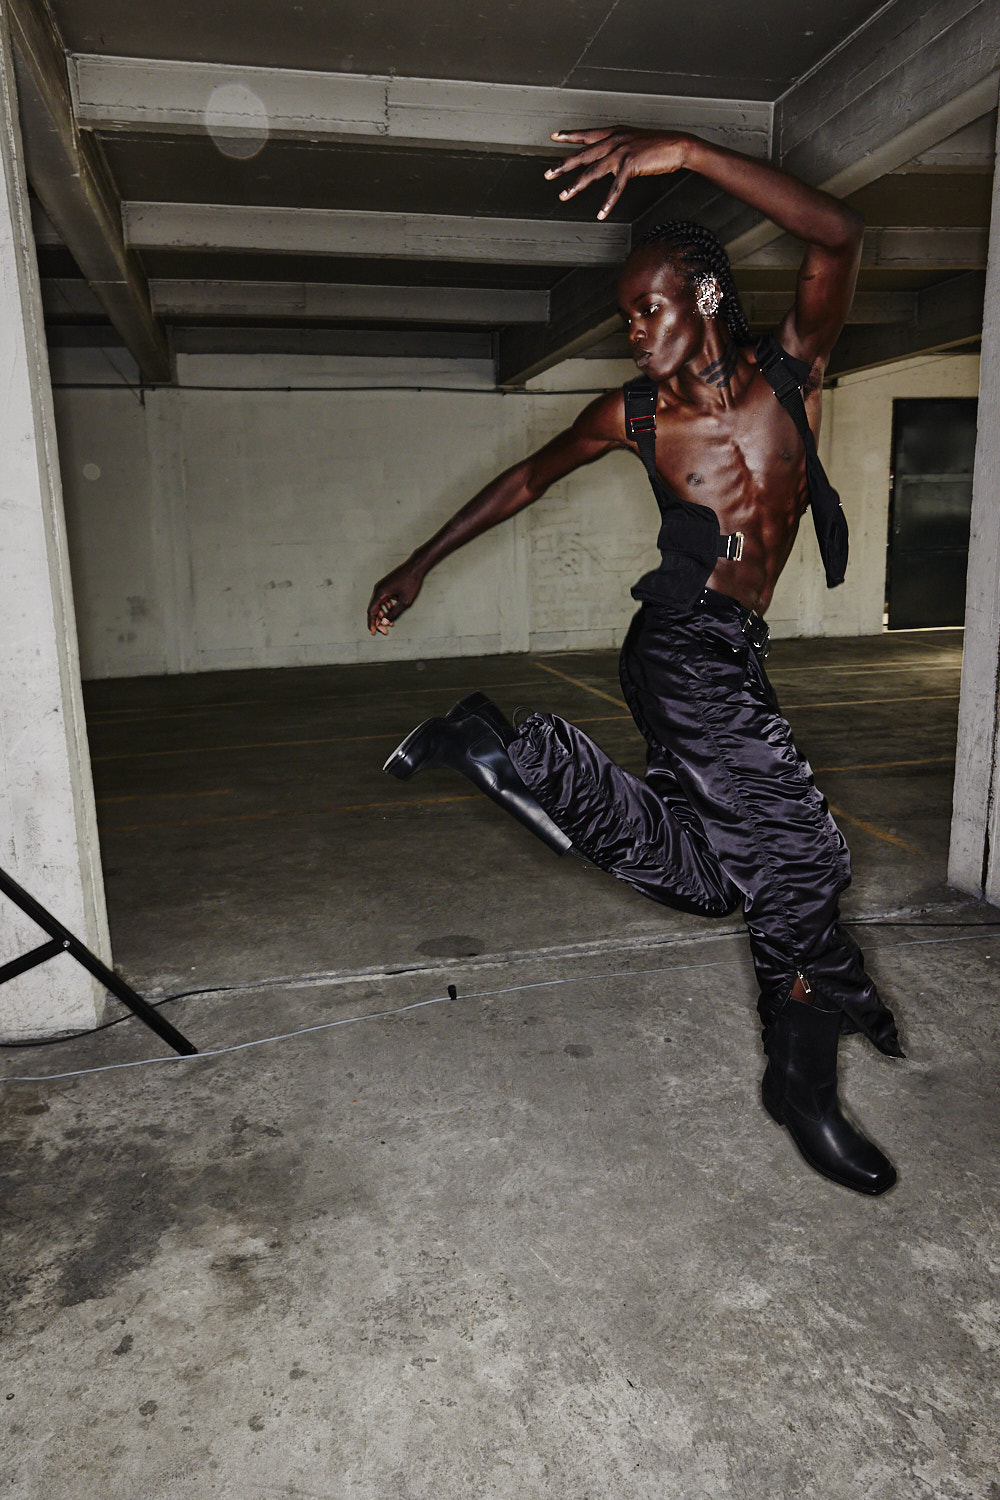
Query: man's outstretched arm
x,y
597,430
832,231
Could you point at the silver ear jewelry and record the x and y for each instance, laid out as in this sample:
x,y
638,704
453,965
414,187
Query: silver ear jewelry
x,y
708,296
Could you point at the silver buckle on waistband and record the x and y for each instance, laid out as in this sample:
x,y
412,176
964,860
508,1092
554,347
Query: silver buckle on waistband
x,y
757,632
734,546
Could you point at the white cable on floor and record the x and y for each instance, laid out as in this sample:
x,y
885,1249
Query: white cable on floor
x,y
380,1015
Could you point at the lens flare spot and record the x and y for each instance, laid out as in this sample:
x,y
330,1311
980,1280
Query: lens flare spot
x,y
237,120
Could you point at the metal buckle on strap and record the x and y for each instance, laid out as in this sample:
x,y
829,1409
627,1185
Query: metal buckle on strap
x,y
641,424
734,546
784,385
757,632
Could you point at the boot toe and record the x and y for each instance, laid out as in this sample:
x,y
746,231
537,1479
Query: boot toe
x,y
838,1151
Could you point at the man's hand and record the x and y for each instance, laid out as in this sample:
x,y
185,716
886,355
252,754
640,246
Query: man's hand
x,y
391,596
621,152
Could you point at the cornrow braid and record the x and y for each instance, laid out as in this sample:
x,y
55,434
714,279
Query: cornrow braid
x,y
695,251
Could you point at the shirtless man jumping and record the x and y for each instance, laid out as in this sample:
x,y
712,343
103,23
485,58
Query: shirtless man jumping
x,y
728,813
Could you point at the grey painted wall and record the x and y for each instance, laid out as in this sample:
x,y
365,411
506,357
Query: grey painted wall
x,y
220,527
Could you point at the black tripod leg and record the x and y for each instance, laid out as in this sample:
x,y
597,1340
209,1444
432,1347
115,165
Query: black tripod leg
x,y
69,944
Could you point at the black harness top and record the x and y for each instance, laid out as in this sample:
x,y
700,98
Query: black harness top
x,y
689,539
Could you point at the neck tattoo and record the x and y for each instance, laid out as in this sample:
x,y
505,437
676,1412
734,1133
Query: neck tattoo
x,y
721,370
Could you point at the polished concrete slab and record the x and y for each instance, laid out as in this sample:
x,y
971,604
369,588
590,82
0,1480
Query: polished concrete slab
x,y
535,1240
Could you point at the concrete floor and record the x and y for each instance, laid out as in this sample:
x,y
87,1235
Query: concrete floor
x,y
539,1241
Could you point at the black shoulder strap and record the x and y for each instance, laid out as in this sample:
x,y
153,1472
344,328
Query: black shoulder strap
x,y
640,419
778,369
785,375
640,425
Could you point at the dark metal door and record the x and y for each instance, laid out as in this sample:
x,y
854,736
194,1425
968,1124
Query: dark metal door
x,y
934,446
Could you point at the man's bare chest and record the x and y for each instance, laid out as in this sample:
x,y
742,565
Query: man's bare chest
x,y
745,457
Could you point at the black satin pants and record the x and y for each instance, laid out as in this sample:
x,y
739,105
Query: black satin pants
x,y
728,813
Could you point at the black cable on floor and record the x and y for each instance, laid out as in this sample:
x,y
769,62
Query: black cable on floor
x,y
78,1036
231,989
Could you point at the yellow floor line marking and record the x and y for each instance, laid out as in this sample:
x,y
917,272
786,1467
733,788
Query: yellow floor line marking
x,y
938,645
860,702
109,717
359,739
834,703
886,765
400,804
872,669
875,831
222,791
577,683
112,716
350,739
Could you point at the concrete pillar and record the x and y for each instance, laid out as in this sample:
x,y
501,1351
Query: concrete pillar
x,y
48,830
974,863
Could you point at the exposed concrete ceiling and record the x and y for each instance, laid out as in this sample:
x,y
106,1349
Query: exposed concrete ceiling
x,y
205,172
723,49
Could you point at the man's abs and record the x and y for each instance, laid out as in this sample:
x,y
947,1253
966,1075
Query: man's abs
x,y
747,464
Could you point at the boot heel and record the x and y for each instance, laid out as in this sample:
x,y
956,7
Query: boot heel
x,y
413,752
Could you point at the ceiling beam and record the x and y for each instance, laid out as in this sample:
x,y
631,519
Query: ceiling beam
x,y
402,343
900,86
971,149
766,309
903,84
323,231
68,173
889,248
170,97
489,306
42,227
947,315
70,297
582,311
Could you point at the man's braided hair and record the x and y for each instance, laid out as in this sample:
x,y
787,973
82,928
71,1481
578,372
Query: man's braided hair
x,y
695,251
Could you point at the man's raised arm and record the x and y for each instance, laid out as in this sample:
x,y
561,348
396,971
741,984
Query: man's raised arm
x,y
832,231
597,430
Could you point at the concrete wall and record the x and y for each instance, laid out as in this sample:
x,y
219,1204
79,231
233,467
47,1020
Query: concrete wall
x,y
974,856
234,525
48,828
856,447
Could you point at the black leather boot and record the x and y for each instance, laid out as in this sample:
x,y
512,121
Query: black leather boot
x,y
478,705
800,1092
472,738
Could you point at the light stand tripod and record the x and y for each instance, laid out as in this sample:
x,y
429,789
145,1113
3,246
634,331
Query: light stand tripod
x,y
63,941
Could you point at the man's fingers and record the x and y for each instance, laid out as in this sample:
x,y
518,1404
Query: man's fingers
x,y
609,165
582,137
380,614
582,158
617,188
605,148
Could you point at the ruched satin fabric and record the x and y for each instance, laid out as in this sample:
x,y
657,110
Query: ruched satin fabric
x,y
728,813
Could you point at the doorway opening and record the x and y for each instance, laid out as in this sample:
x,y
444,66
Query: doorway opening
x,y
930,505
